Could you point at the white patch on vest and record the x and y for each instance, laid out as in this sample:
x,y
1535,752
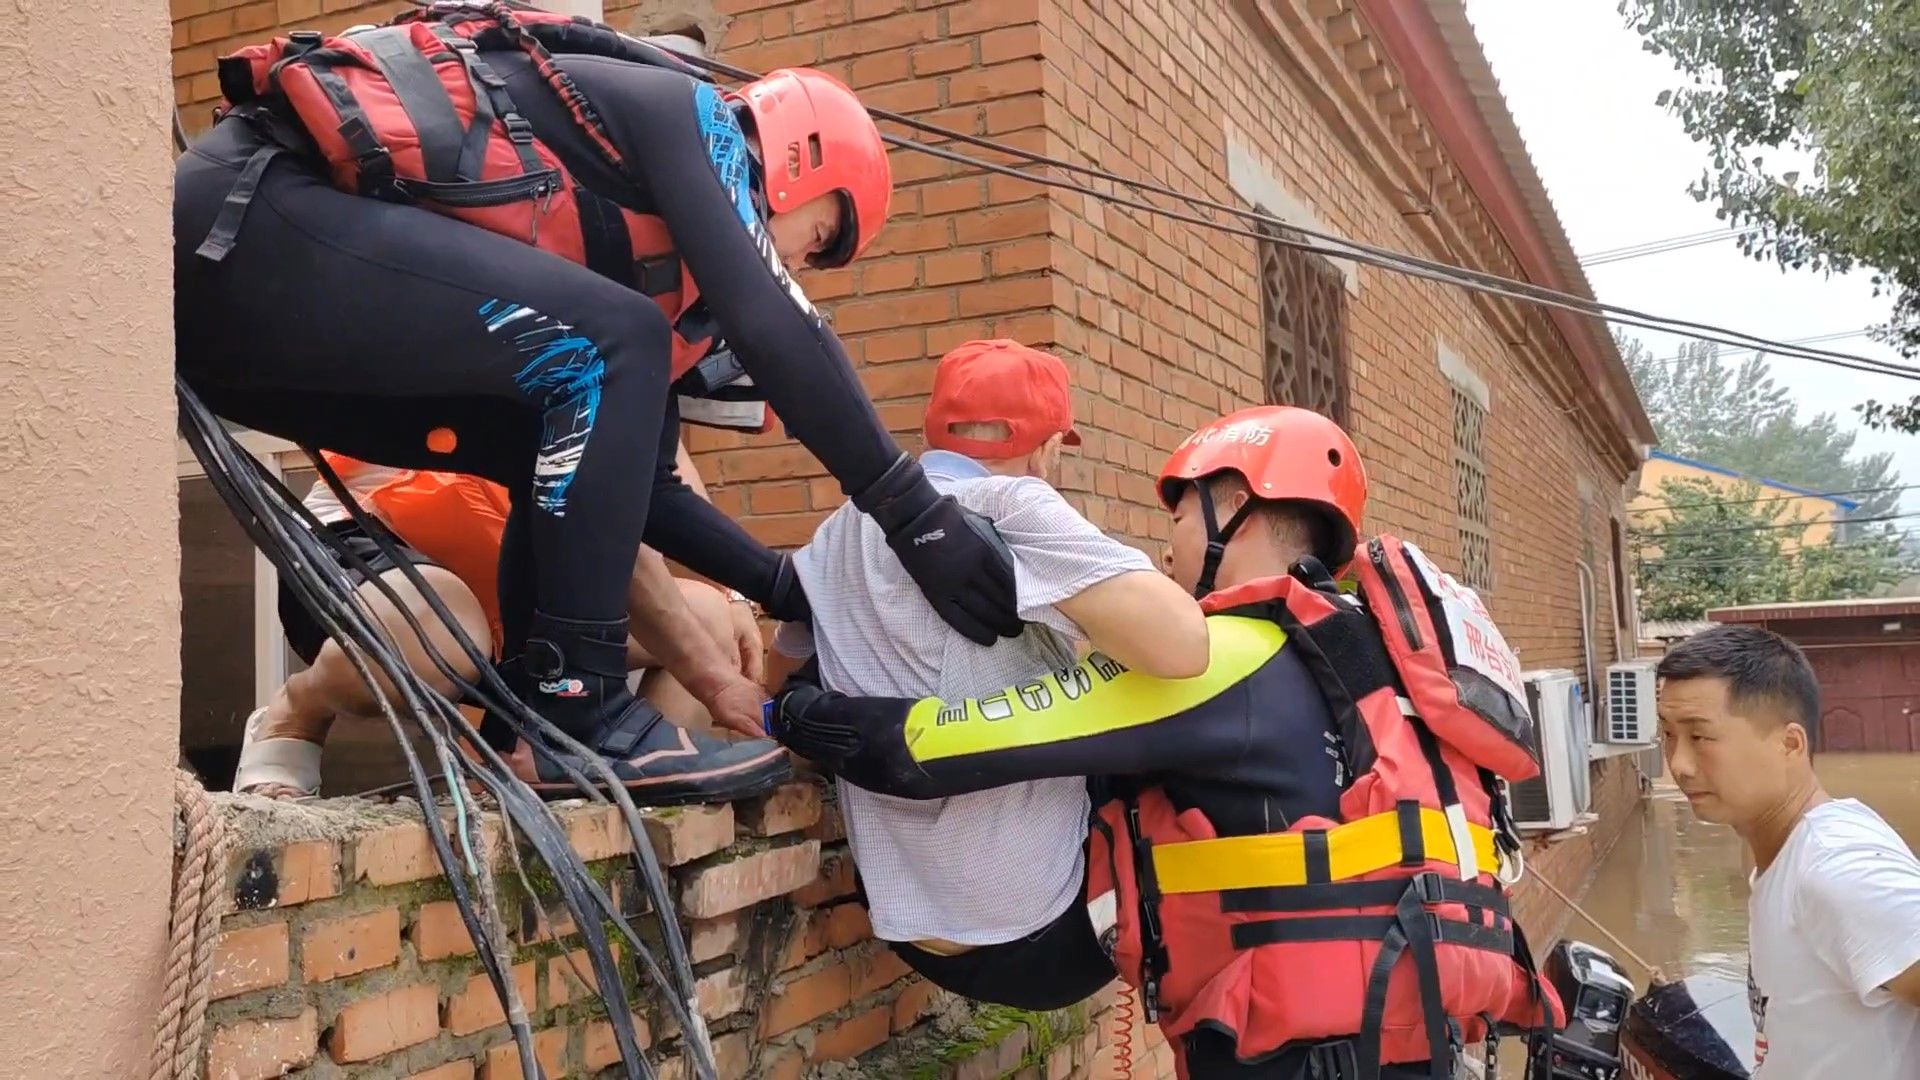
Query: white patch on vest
x,y
735,415
1104,910
1477,642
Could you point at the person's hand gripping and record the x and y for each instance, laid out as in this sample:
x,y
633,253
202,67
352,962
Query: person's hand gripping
x,y
956,557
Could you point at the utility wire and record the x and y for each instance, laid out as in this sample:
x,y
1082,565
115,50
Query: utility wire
x,y
1753,560
1838,335
1433,271
1648,508
1712,558
1661,247
1656,535
308,559
1341,248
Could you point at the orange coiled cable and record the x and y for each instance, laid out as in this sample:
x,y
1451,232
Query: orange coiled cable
x,y
1124,1013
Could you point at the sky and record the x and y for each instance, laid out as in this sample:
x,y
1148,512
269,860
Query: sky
x,y
1617,167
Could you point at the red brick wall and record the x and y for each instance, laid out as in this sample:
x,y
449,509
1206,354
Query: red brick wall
x,y
1160,323
963,256
1161,320
348,957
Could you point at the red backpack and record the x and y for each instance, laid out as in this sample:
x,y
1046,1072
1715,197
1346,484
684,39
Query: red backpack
x,y
410,111
1461,676
1390,925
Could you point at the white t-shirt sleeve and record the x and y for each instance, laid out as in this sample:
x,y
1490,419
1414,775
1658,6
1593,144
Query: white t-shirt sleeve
x,y
1860,908
793,640
1057,554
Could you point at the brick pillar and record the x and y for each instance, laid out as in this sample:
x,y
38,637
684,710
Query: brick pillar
x,y
89,609
964,255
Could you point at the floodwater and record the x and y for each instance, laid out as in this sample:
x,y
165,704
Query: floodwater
x,y
1675,888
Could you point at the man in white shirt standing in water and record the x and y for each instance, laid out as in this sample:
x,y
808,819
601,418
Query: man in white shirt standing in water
x,y
1834,918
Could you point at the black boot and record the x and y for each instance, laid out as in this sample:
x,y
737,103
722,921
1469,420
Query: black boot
x,y
575,675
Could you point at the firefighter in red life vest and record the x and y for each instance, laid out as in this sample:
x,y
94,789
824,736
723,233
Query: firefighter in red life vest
x,y
535,234
1298,851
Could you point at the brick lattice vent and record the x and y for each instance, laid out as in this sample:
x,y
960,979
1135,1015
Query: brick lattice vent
x,y
343,956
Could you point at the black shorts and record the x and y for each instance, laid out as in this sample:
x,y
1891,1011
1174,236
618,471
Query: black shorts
x,y
1058,965
304,635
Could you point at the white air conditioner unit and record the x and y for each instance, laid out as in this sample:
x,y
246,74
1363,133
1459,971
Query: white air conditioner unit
x,y
1630,718
1556,798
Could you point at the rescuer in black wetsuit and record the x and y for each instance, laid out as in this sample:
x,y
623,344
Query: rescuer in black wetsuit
x,y
362,325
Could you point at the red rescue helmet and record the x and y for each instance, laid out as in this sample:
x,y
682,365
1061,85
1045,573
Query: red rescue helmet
x,y
817,139
1283,454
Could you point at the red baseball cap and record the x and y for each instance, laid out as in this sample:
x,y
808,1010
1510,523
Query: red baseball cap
x,y
983,382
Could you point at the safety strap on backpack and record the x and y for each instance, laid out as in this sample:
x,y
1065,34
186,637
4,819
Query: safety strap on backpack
x,y
1153,944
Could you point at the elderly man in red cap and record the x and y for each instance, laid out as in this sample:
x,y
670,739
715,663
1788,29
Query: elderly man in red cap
x,y
983,893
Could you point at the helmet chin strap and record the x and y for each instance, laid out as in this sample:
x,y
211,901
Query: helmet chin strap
x,y
1217,537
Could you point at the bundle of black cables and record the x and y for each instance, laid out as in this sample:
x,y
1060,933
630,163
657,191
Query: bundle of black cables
x,y
308,558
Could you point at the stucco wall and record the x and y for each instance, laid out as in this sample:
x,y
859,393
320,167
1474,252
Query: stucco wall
x,y
89,617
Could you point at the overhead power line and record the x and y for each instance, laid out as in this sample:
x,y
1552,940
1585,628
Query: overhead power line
x,y
1289,234
1650,507
1661,247
1751,560
1838,335
1656,536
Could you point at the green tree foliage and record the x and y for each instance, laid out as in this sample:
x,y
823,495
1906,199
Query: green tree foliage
x,y
1831,88
1895,415
1737,417
1714,547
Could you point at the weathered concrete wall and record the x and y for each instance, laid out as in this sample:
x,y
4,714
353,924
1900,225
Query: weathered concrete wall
x,y
89,617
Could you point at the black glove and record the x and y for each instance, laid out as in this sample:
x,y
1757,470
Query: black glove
x,y
858,739
802,719
787,601
954,555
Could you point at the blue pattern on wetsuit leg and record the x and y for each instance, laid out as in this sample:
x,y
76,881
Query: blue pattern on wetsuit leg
x,y
563,372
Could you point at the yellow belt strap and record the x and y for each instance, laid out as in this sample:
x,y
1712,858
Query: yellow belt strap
x,y
1258,862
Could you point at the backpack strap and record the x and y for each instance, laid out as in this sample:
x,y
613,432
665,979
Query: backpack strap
x,y
542,35
425,100
491,101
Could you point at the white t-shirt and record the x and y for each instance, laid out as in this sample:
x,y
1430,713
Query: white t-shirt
x,y
1834,918
989,866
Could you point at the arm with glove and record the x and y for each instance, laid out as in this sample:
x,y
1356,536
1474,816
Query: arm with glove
x,y
795,358
685,527
1094,719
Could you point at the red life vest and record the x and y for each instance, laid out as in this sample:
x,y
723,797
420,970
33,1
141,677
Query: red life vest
x,y
453,519
1389,926
410,111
